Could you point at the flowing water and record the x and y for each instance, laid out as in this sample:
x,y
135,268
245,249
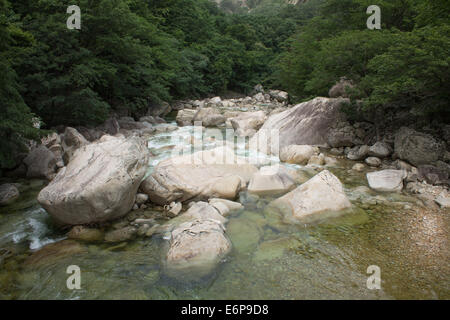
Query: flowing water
x,y
269,260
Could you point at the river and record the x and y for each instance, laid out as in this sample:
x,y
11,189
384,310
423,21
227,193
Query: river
x,y
269,260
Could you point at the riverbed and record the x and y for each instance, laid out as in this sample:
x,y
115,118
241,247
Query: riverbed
x,y
269,260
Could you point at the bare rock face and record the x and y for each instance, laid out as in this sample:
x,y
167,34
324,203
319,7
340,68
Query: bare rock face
x,y
305,124
247,123
322,193
72,141
386,180
206,174
99,183
41,163
195,249
417,148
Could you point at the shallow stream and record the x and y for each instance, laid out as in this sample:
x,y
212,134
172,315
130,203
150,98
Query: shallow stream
x,y
269,260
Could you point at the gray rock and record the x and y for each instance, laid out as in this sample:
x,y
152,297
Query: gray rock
x,y
380,150
342,137
373,161
433,174
324,192
41,163
358,153
417,148
159,110
8,194
120,235
386,180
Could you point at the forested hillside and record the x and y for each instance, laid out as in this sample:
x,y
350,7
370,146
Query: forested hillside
x,y
132,54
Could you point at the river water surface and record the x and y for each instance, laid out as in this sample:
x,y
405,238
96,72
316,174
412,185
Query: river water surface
x,y
269,260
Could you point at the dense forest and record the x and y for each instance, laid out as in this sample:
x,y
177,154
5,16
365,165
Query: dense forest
x,y
132,54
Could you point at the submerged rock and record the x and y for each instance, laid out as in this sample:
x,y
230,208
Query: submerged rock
x,y
99,183
323,192
386,180
120,235
195,249
53,252
85,234
359,167
244,235
203,211
8,194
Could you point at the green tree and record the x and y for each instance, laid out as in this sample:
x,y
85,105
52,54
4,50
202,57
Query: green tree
x,y
16,119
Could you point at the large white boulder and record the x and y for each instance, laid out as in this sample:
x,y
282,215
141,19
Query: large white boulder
x,y
322,193
99,183
386,180
216,173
